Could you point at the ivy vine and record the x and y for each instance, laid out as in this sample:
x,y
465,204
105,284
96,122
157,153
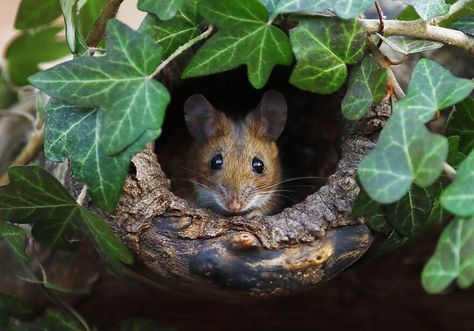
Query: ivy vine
x,y
106,105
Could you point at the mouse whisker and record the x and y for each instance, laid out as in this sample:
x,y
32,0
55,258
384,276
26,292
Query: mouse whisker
x,y
297,178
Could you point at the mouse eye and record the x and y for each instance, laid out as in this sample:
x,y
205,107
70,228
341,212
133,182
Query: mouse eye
x,y
216,162
257,165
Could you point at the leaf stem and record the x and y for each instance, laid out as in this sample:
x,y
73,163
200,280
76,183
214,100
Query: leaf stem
x,y
449,171
381,19
109,11
384,62
422,30
181,49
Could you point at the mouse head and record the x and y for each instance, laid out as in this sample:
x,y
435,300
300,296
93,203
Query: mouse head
x,y
234,165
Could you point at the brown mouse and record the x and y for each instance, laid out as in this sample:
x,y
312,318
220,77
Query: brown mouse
x,y
234,164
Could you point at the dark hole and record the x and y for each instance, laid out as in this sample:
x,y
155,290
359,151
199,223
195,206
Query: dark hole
x,y
309,145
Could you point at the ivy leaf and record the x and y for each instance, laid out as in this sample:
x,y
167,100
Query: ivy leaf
x,y
176,32
27,51
412,214
428,9
464,24
44,202
405,219
56,320
406,152
270,4
364,206
367,84
458,197
433,88
323,46
343,8
408,45
164,9
455,157
415,212
30,15
244,37
120,82
69,7
15,238
453,258
73,132
461,123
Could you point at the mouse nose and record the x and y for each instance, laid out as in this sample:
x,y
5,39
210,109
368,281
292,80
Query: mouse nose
x,y
234,204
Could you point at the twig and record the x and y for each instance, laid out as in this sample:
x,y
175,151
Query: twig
x,y
381,18
28,153
110,10
383,62
82,196
181,49
449,171
422,30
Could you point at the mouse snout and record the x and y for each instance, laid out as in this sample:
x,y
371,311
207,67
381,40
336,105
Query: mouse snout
x,y
234,204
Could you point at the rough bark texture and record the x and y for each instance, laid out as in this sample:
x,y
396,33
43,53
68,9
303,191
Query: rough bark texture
x,y
263,256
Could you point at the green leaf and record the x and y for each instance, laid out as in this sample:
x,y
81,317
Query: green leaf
x,y
459,196
408,14
428,9
73,132
164,9
244,37
270,4
27,51
406,152
31,15
367,84
464,24
343,8
11,306
56,320
453,258
364,206
323,46
408,45
412,214
15,238
34,196
120,82
175,32
461,123
69,8
455,157
433,88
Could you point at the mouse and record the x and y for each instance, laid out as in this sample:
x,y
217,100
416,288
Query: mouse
x,y
234,164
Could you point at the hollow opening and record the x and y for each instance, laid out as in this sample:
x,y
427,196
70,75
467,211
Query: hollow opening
x,y
309,146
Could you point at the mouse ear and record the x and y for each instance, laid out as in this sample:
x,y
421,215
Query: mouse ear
x,y
269,118
202,119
